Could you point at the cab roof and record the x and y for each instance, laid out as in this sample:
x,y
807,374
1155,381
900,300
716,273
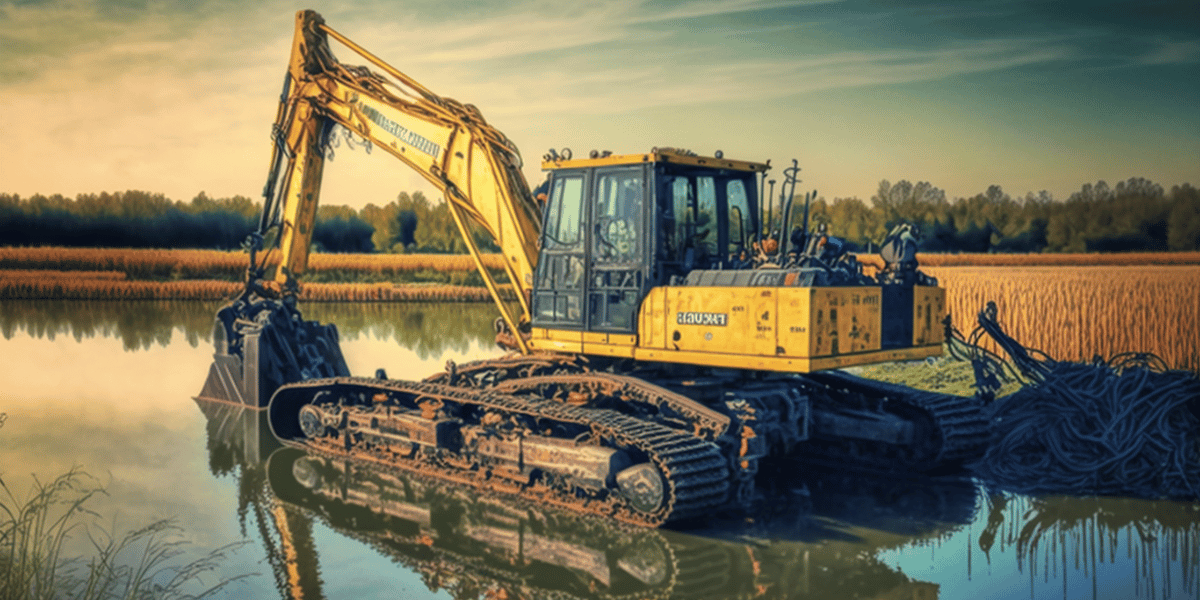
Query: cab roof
x,y
663,155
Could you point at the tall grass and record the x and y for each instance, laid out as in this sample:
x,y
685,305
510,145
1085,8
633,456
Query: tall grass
x,y
56,274
33,286
160,265
1045,260
1077,313
139,565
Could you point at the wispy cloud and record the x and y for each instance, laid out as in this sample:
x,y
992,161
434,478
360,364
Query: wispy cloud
x,y
531,27
627,84
1173,53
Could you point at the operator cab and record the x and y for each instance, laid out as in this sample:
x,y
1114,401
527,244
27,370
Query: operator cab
x,y
616,226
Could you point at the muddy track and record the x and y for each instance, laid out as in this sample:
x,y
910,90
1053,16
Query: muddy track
x,y
695,473
958,427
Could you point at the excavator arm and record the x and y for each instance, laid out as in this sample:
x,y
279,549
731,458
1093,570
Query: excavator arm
x,y
450,144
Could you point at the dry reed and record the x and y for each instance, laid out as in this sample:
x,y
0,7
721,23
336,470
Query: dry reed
x,y
214,264
55,274
33,286
1080,312
1044,260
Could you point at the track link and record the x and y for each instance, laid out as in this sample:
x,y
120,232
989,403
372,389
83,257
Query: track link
x,y
960,426
694,416
694,472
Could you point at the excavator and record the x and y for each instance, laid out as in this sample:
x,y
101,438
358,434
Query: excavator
x,y
657,354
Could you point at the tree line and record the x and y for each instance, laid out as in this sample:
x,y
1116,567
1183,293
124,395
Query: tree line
x,y
1135,215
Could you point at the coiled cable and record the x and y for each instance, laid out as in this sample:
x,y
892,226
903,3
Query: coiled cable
x,y
1126,426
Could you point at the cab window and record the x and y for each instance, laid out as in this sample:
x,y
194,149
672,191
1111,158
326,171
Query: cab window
x,y
563,213
618,217
739,217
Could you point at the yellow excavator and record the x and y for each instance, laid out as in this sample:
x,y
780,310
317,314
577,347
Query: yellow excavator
x,y
659,354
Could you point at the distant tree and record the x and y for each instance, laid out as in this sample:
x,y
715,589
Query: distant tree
x,y
340,234
382,218
919,203
942,237
1032,239
405,229
1183,221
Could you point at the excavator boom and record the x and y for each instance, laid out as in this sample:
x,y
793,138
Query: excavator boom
x,y
448,143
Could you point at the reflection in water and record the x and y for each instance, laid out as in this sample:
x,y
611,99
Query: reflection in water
x,y
420,327
817,542
1053,536
137,324
820,536
428,329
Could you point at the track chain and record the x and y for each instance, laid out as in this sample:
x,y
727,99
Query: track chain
x,y
962,429
695,473
701,419
489,372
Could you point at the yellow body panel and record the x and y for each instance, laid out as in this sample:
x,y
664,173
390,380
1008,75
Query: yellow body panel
x,y
657,156
725,319
830,321
556,340
793,329
929,308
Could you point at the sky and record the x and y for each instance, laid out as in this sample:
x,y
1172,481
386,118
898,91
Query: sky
x,y
178,96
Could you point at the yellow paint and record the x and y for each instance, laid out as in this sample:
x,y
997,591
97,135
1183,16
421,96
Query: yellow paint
x,y
792,329
556,340
929,308
661,156
592,337
652,321
785,363
840,321
748,319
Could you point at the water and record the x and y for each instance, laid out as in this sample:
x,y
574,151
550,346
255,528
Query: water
x,y
108,387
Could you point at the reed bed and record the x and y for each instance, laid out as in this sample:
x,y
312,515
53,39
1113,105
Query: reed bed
x,y
143,264
368,292
134,263
1078,313
36,287
56,274
1044,260
33,286
39,529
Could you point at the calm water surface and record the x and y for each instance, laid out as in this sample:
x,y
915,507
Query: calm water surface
x,y
108,387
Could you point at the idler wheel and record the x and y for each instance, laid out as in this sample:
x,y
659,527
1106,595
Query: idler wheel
x,y
643,486
312,422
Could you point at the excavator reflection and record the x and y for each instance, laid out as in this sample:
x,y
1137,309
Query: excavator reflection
x,y
815,538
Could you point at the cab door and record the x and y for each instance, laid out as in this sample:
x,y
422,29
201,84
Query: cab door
x,y
558,299
619,248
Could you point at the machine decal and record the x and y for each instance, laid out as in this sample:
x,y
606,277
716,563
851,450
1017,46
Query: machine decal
x,y
702,318
402,133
